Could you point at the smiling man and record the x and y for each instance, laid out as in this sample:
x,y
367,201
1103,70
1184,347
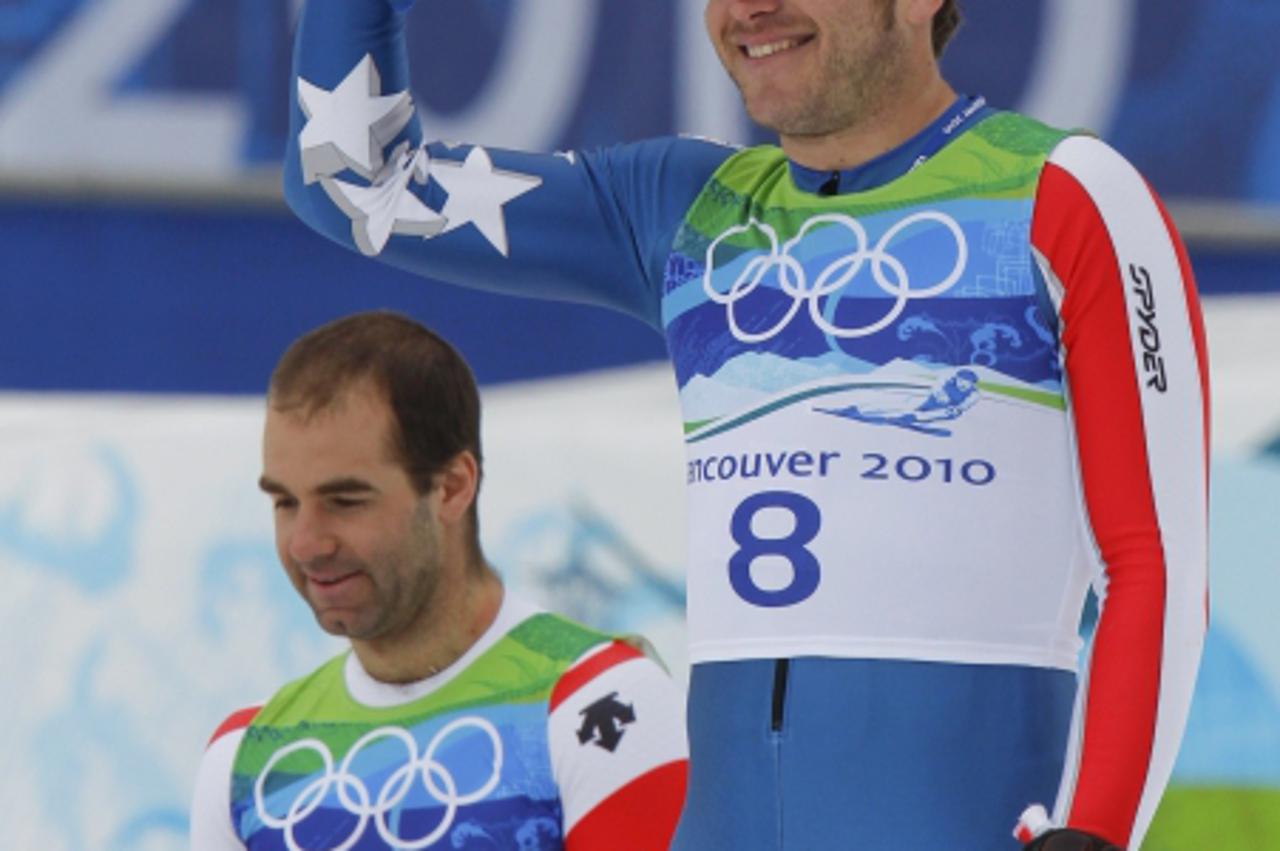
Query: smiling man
x,y
462,718
941,370
838,81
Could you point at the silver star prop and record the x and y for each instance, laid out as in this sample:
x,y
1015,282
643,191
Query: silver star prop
x,y
349,126
478,192
389,205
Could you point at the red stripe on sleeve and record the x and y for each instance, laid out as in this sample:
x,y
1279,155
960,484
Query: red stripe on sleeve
x,y
235,721
1196,317
590,668
1124,681
640,816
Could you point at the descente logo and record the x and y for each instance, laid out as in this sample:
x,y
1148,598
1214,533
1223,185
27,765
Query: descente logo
x,y
1148,335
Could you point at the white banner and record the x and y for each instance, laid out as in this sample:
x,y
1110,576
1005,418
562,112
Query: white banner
x,y
143,600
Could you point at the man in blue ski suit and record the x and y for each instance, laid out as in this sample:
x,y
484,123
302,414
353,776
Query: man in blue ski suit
x,y
941,368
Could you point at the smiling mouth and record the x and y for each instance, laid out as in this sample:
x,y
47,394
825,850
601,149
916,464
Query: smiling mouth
x,y
330,581
761,51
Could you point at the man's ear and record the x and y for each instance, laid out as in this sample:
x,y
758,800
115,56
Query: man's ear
x,y
919,12
458,482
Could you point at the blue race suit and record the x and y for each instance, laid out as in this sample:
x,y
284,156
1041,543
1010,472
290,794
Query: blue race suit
x,y
927,402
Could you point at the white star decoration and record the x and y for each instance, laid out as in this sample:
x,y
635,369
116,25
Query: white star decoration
x,y
477,193
388,206
349,126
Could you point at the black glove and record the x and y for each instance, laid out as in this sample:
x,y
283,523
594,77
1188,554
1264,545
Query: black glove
x,y
1066,839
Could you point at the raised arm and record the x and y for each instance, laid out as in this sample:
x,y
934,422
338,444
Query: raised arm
x,y
592,227
1137,382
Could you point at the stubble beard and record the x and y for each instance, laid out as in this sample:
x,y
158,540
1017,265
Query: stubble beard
x,y
405,585
851,89
398,601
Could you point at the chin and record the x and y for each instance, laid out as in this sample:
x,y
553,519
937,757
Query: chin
x,y
339,626
765,119
775,115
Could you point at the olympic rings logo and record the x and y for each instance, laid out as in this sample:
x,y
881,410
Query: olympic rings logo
x,y
357,798
888,271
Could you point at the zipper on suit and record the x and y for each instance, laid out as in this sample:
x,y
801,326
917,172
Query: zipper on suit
x,y
780,670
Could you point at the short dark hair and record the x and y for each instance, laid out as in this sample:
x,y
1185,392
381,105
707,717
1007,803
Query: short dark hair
x,y
945,23
425,381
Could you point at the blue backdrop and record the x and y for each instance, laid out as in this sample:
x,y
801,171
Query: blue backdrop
x,y
191,94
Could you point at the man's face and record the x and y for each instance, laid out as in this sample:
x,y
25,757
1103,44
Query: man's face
x,y
809,67
357,541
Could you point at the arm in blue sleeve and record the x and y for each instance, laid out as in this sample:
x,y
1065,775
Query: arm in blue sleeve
x,y
592,227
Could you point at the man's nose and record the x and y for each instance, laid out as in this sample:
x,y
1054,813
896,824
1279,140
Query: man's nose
x,y
310,537
746,11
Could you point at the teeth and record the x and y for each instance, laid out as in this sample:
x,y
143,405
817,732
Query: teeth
x,y
762,50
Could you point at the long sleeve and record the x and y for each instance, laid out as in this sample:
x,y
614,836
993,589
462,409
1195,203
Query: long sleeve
x,y
618,750
1136,375
591,226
